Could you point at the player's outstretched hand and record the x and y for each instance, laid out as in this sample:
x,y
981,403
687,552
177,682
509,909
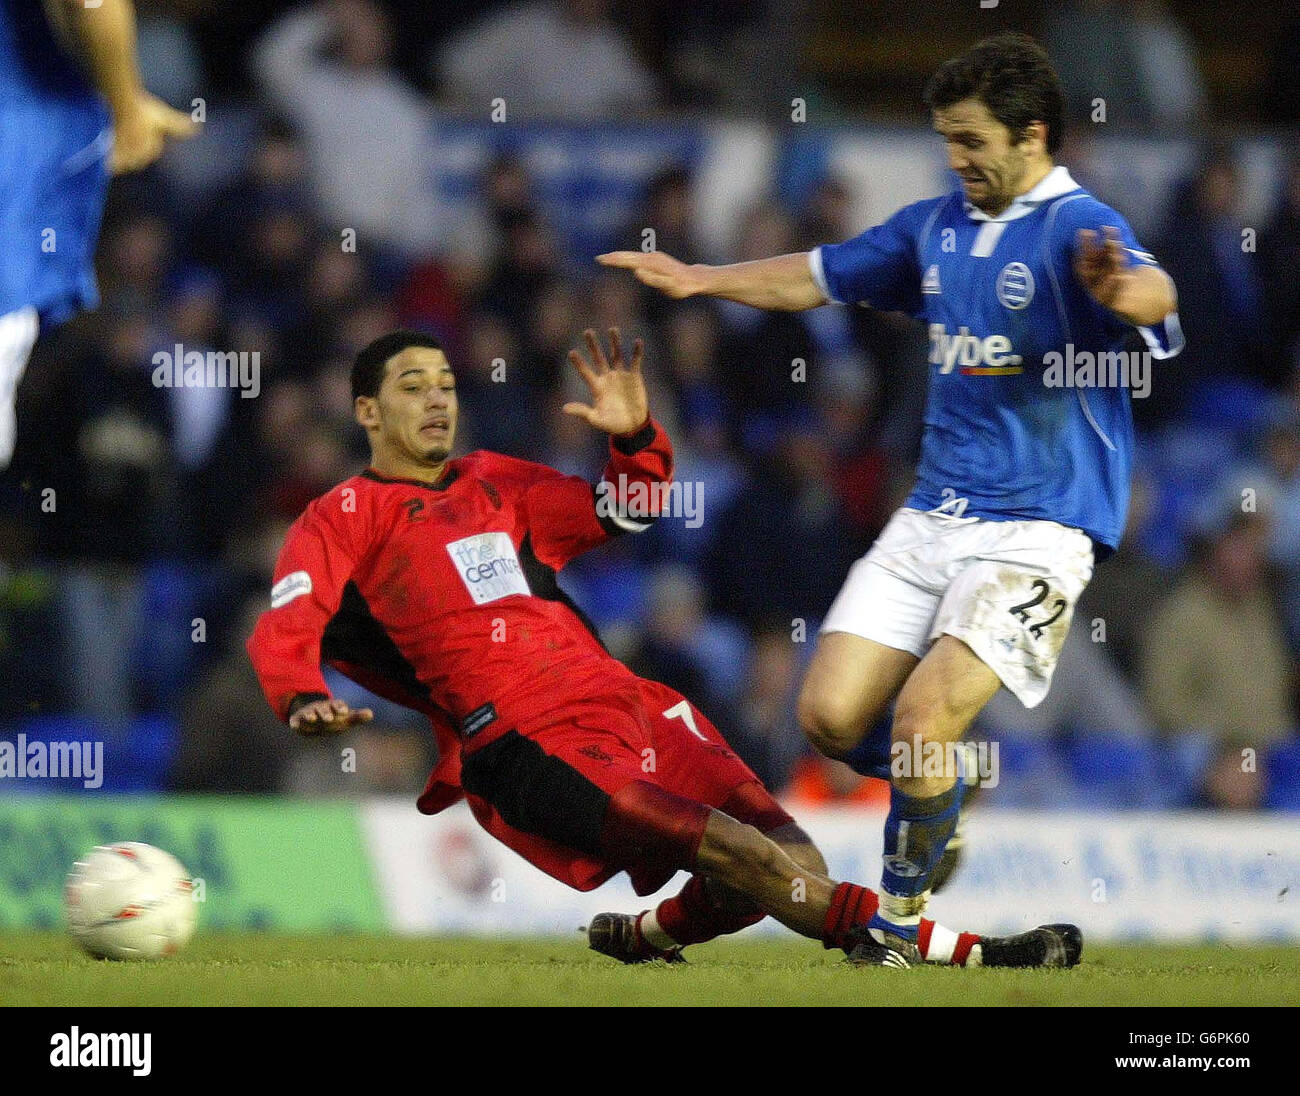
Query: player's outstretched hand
x,y
618,397
322,717
658,270
141,131
1102,267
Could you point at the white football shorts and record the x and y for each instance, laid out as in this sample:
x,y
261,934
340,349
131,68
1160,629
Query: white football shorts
x,y
1007,589
18,331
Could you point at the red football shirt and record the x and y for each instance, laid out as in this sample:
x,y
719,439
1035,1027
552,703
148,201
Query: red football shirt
x,y
443,596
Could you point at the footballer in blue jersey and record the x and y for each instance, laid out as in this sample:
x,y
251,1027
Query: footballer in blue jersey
x,y
72,111
1028,413
1044,317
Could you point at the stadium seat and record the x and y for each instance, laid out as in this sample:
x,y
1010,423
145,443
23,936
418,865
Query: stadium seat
x,y
1184,759
1282,766
165,660
610,591
1029,773
1181,461
54,728
1234,406
136,755
1113,770
151,744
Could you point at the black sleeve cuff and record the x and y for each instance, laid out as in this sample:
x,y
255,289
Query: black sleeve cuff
x,y
303,699
631,444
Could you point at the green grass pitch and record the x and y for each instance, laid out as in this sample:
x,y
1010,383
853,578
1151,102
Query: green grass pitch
x,y
47,969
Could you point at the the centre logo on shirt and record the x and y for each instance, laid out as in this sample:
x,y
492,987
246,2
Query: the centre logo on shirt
x,y
1015,286
488,566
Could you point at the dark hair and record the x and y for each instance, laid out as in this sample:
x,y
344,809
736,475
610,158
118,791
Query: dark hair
x,y
1010,74
368,368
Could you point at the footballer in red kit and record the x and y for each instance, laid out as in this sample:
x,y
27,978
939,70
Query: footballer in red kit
x,y
431,581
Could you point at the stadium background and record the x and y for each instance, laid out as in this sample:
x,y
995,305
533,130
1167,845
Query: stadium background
x,y
734,130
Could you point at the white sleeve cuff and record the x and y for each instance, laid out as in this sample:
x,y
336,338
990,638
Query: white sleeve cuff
x,y
819,274
1166,340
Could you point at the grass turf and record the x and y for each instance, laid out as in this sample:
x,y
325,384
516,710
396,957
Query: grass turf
x,y
217,969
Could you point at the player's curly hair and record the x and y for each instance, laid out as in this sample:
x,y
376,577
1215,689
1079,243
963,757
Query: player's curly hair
x,y
1010,74
368,367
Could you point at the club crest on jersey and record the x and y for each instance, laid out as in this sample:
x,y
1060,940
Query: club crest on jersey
x,y
414,509
930,283
1015,286
488,566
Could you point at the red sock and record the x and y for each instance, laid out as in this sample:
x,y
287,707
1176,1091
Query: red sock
x,y
851,906
692,917
944,946
923,935
965,941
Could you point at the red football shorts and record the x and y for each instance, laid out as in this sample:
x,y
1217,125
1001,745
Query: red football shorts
x,y
624,781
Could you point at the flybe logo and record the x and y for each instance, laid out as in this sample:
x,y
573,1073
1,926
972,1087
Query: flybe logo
x,y
987,357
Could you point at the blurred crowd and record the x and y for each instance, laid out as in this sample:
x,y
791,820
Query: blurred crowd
x,y
147,519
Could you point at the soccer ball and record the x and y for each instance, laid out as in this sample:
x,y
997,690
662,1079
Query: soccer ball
x,y
129,900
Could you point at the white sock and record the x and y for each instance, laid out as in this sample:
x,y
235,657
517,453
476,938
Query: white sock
x,y
653,935
942,944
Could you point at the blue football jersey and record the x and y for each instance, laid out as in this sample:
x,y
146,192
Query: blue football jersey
x,y
55,139
1028,414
